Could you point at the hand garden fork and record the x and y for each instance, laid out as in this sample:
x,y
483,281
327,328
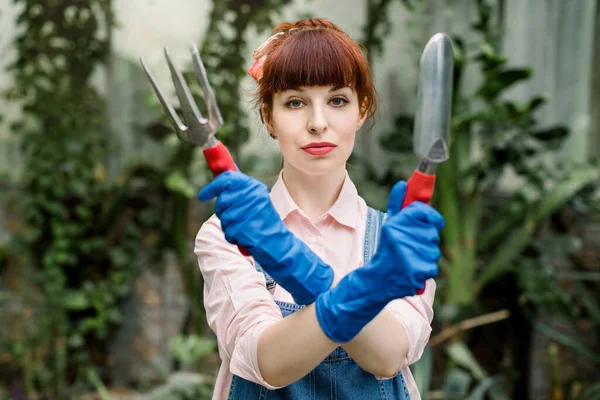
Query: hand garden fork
x,y
199,131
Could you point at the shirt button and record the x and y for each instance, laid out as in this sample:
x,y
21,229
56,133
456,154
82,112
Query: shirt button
x,y
312,240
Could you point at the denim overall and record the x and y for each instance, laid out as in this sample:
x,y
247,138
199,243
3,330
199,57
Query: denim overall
x,y
338,376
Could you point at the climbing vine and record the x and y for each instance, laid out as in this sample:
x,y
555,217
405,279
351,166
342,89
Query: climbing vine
x,y
378,25
80,244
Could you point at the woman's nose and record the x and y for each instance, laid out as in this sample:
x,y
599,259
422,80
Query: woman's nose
x,y
318,122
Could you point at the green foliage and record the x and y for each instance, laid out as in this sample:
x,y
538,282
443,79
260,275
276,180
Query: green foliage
x,y
377,27
506,138
98,385
593,392
82,237
467,379
190,349
183,386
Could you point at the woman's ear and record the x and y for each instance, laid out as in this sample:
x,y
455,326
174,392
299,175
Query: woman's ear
x,y
362,113
264,112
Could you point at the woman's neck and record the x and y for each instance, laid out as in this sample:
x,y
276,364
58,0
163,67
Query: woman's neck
x,y
313,194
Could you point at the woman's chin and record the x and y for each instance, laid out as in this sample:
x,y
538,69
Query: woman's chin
x,y
323,169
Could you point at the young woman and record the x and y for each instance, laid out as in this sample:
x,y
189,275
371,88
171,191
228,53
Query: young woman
x,y
325,306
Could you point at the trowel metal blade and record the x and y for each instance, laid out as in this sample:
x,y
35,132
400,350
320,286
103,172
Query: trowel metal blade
x,y
434,100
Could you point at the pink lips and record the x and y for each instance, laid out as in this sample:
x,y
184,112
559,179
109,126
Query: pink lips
x,y
319,149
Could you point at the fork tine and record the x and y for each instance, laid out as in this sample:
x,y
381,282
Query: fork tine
x,y
171,114
189,108
209,97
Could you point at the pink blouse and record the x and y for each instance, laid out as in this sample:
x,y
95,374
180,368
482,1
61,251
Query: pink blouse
x,y
239,306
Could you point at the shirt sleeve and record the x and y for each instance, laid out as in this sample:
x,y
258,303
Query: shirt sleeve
x,y
238,305
415,313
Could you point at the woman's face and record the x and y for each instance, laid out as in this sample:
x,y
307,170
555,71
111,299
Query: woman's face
x,y
315,127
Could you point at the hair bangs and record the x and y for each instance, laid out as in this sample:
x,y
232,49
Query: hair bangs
x,y
311,58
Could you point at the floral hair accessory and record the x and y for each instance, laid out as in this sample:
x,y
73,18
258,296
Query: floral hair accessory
x,y
256,69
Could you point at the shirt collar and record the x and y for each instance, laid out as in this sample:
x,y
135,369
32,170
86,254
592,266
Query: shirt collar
x,y
343,210
280,196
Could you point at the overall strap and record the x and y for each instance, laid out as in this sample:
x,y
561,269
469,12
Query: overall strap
x,y
269,281
375,220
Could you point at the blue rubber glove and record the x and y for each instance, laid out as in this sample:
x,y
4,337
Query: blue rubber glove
x,y
249,219
406,256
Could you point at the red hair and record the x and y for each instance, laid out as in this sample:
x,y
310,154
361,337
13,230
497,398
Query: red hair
x,y
315,52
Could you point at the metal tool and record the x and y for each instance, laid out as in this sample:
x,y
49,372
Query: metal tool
x,y
431,133
199,131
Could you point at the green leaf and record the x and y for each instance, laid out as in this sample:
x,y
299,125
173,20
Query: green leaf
x,y
76,300
461,355
177,183
506,253
591,393
480,391
555,133
497,83
536,102
538,283
188,349
565,190
589,301
95,380
400,139
456,384
512,214
566,341
76,341
548,203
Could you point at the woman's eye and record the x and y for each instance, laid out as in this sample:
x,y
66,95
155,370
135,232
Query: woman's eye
x,y
338,101
294,103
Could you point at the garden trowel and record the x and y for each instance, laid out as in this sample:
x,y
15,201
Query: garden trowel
x,y
431,130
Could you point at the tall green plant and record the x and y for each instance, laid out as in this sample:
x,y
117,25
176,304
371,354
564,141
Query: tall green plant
x,y
506,136
481,242
80,244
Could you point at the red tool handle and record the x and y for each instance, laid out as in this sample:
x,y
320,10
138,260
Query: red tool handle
x,y
420,188
219,160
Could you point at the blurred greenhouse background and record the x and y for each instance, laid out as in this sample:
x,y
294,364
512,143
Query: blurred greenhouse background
x,y
100,294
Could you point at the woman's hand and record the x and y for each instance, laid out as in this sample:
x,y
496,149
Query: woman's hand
x,y
406,256
249,219
408,250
